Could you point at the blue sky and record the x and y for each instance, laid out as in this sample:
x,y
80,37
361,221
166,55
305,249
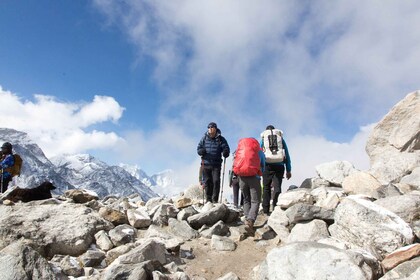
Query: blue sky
x,y
138,81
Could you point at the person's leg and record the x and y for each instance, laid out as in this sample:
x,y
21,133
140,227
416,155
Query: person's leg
x,y
267,179
235,189
255,193
247,195
216,184
277,180
6,182
208,182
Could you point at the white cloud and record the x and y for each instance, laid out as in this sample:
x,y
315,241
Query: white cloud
x,y
61,127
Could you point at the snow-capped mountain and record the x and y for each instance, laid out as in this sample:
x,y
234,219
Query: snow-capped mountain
x,y
159,183
71,171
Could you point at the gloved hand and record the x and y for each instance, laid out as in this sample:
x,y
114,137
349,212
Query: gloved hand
x,y
225,153
288,175
201,152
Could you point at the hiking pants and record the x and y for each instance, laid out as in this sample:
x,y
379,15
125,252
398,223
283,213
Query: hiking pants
x,y
251,189
272,177
211,176
235,188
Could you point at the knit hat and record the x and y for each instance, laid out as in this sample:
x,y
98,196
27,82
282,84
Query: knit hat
x,y
212,124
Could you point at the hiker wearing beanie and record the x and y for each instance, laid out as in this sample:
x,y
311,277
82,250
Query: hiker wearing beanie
x,y
211,148
277,158
7,160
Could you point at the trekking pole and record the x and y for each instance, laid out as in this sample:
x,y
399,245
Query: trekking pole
x,y
223,179
202,179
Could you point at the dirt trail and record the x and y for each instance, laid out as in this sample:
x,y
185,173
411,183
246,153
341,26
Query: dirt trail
x,y
212,264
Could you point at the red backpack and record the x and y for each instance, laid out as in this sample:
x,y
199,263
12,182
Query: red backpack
x,y
247,161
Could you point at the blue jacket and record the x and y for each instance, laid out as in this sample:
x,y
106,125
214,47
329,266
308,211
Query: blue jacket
x,y
211,149
6,162
286,162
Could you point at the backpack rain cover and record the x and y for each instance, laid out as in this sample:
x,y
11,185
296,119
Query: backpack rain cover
x,y
247,161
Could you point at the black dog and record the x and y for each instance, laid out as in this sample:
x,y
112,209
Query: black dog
x,y
41,192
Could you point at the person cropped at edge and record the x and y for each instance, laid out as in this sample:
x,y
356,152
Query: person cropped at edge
x,y
211,148
273,173
7,160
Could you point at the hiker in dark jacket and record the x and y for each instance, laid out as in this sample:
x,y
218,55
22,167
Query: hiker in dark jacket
x,y
211,148
6,161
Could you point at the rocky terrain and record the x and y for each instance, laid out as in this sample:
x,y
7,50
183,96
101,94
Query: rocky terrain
x,y
343,224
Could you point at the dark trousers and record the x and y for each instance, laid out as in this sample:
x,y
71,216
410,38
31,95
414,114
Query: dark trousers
x,y
272,177
211,176
5,183
235,188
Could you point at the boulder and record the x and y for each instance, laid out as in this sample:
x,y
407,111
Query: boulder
x,y
114,216
138,218
405,206
122,234
81,195
68,265
186,212
103,241
311,231
394,144
335,171
293,197
310,261
91,258
208,218
313,183
182,202
401,255
409,270
229,276
21,261
361,183
278,220
369,226
218,228
412,179
150,250
181,229
49,227
304,212
327,197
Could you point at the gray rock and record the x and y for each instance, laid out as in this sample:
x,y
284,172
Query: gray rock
x,y
221,243
149,250
394,144
48,227
304,212
311,231
208,218
370,226
103,241
278,220
91,258
68,265
238,234
405,206
265,233
114,216
138,218
112,254
125,272
388,190
412,179
313,183
218,228
179,276
185,213
163,213
309,261
361,182
122,234
80,195
195,193
335,171
20,261
293,197
409,270
153,202
181,229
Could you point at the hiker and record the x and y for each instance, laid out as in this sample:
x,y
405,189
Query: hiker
x,y
211,148
6,162
249,164
277,157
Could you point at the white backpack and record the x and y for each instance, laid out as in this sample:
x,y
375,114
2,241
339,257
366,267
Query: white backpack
x,y
273,145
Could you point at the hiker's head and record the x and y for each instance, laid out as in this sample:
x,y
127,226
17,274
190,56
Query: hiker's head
x,y
212,129
269,127
6,148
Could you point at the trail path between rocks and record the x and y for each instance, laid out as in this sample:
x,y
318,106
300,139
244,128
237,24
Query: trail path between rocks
x,y
211,264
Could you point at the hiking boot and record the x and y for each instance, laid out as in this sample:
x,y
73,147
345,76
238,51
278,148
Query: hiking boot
x,y
249,227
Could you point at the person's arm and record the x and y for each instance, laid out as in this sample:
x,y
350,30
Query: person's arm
x,y
225,148
8,161
288,161
201,150
262,160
